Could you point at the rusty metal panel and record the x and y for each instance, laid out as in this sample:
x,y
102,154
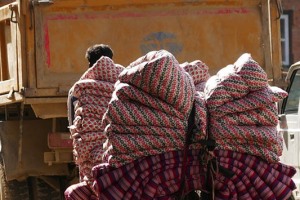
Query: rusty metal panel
x,y
216,32
34,144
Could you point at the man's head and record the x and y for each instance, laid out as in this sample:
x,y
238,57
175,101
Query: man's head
x,y
95,52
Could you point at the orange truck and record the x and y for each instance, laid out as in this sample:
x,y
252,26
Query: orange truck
x,y
42,48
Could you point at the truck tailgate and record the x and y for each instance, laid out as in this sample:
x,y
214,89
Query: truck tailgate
x,y
216,32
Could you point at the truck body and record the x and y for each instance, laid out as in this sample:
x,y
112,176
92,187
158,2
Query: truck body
x,y
42,49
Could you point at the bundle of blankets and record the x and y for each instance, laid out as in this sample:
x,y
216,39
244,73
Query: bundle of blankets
x,y
171,128
92,93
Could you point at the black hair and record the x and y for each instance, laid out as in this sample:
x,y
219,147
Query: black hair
x,y
94,53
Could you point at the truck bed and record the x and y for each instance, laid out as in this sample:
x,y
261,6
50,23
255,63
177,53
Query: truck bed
x,y
42,55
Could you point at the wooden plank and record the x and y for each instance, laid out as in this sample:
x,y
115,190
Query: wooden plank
x,y
111,4
5,2
46,92
45,100
272,45
13,54
30,53
20,46
6,86
17,97
50,110
267,34
278,78
5,12
3,53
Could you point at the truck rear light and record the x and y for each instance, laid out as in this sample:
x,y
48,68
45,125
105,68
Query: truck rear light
x,y
59,140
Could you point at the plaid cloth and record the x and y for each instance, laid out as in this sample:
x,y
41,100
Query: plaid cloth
x,y
159,177
79,191
153,177
253,178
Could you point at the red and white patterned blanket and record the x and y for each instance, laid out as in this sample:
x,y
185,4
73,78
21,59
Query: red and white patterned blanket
x,y
93,92
150,108
242,110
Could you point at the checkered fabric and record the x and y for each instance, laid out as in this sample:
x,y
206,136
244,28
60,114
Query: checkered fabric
x,y
79,191
152,177
253,178
159,177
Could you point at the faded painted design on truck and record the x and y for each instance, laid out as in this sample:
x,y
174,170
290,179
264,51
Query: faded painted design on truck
x,y
161,40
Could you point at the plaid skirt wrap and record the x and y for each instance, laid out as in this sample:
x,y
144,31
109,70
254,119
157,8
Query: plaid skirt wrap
x,y
158,177
151,177
93,92
80,191
199,72
252,178
149,109
242,110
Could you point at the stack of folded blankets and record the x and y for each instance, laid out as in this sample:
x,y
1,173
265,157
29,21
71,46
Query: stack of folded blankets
x,y
153,150
149,110
93,92
242,110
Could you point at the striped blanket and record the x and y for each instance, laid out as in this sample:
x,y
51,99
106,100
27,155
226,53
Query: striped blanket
x,y
242,110
160,177
253,178
149,109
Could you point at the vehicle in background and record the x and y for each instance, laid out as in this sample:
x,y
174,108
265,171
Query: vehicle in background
x,y
290,124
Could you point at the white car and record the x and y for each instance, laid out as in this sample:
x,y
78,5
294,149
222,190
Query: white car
x,y
289,124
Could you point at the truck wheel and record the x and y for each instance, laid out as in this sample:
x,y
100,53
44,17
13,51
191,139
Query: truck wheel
x,y
291,197
12,190
41,190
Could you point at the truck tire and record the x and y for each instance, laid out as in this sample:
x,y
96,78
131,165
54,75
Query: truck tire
x,y
291,198
12,190
40,190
